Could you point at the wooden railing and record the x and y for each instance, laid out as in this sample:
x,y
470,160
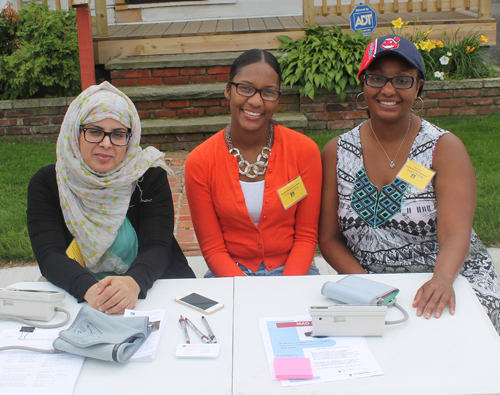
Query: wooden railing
x,y
310,11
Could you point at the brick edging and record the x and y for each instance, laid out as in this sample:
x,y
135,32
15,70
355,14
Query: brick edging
x,y
40,119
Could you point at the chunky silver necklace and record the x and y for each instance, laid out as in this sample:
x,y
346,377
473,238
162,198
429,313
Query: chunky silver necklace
x,y
245,168
391,162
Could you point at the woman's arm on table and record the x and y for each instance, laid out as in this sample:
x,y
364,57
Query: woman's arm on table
x,y
50,237
154,224
205,219
455,186
331,241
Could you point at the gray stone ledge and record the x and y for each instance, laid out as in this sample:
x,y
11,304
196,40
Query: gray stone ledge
x,y
53,102
463,84
5,104
433,85
176,60
209,124
26,103
174,92
491,82
184,92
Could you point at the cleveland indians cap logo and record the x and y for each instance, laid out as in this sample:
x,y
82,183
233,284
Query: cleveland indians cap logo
x,y
390,43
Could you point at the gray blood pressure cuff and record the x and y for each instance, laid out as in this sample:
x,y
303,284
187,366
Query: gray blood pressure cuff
x,y
357,290
97,335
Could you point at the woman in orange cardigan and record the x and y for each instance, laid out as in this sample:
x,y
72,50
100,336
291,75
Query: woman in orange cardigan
x,y
254,188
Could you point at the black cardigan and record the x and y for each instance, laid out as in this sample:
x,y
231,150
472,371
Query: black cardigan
x,y
151,215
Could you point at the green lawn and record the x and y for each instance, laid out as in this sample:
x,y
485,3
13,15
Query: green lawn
x,y
20,160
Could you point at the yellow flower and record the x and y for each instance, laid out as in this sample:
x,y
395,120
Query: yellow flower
x,y
398,23
423,44
469,49
428,45
483,39
416,45
440,44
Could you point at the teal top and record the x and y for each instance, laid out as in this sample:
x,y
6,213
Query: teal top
x,y
125,247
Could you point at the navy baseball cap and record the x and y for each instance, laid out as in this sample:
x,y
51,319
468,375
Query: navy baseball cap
x,y
392,44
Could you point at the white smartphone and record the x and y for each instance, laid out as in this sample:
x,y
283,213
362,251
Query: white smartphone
x,y
200,303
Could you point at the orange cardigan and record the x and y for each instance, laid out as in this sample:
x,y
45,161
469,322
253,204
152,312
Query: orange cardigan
x,y
220,217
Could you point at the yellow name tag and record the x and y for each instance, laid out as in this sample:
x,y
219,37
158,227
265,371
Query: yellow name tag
x,y
292,192
74,252
416,175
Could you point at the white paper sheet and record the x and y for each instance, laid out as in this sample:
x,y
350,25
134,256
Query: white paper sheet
x,y
29,372
147,352
332,358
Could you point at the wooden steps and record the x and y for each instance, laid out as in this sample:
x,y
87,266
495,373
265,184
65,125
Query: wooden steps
x,y
178,108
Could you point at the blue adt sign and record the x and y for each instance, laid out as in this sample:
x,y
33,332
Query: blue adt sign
x,y
363,18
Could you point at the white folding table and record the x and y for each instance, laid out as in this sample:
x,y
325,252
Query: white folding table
x,y
166,374
457,354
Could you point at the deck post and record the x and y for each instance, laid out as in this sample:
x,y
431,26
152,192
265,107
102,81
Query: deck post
x,y
484,9
308,12
85,43
101,13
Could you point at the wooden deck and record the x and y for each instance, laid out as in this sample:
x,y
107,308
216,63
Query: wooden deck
x,y
242,34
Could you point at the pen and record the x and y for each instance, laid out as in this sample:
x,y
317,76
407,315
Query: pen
x,y
182,321
204,337
210,333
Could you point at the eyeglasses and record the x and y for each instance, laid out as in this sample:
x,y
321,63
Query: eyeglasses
x,y
249,91
92,135
379,81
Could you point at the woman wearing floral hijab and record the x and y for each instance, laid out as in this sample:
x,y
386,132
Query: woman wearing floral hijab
x,y
101,220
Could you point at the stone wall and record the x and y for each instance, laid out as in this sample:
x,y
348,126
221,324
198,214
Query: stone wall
x,y
34,119
440,98
40,119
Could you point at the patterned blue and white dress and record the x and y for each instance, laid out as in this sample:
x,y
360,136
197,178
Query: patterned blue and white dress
x,y
396,231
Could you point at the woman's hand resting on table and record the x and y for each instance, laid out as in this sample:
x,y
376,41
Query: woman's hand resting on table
x,y
113,294
435,294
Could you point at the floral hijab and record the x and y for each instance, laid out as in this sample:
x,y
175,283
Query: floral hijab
x,y
95,204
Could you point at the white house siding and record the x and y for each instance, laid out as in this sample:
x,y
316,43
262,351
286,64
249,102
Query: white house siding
x,y
207,9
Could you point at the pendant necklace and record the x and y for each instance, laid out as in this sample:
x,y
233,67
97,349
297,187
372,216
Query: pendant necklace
x,y
391,162
245,168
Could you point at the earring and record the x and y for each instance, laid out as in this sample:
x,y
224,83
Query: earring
x,y
357,103
421,107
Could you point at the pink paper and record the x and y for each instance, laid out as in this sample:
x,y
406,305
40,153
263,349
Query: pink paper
x,y
293,368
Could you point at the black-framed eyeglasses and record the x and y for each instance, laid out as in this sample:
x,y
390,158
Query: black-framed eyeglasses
x,y
379,81
248,91
93,135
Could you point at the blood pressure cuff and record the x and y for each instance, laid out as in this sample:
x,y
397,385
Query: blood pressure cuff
x,y
357,290
97,335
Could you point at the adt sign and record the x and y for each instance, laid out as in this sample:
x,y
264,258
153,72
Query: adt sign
x,y
363,17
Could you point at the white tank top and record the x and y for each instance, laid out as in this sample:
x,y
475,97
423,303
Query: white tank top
x,y
254,197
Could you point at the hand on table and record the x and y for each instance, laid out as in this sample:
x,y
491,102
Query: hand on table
x,y
113,294
435,294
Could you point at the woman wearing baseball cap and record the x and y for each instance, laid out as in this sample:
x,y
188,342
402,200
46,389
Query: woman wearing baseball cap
x,y
403,191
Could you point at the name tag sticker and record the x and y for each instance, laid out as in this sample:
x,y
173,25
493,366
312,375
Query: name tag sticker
x,y
74,252
292,192
416,175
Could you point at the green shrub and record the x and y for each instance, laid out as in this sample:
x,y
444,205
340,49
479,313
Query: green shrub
x,y
8,20
451,57
39,53
324,58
